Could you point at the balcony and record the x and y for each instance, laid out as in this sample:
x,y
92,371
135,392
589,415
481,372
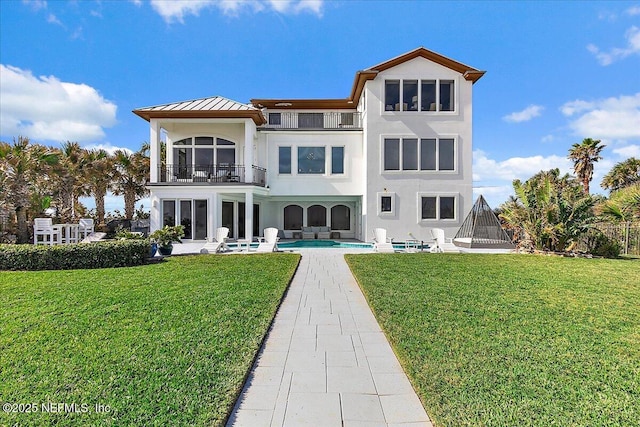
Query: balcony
x,y
332,120
222,174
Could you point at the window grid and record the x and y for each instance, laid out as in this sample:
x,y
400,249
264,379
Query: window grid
x,y
436,207
424,154
435,95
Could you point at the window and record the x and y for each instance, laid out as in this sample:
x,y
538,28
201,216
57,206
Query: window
x,y
392,154
340,218
428,100
311,120
201,153
284,160
430,154
392,95
191,214
316,216
386,203
185,217
409,95
410,154
446,95
168,212
337,160
293,217
275,119
437,207
423,95
346,119
311,160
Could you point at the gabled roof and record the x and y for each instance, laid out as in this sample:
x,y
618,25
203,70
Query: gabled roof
x,y
213,107
469,73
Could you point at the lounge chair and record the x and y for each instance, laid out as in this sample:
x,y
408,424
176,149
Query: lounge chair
x,y
381,242
96,236
44,227
442,244
218,244
269,243
85,227
324,233
308,233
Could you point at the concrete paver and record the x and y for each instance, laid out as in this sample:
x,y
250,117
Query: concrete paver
x,y
325,361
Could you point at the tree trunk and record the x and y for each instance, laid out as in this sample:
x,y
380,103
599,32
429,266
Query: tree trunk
x,y
23,230
99,197
129,204
585,184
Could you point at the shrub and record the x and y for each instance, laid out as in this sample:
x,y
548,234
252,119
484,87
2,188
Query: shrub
x,y
75,256
599,244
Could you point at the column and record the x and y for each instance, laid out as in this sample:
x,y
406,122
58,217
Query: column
x,y
154,151
249,135
248,215
213,216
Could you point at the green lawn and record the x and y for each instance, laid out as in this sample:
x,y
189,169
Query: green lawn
x,y
512,340
166,344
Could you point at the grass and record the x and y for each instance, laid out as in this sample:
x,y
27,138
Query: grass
x,y
163,344
512,340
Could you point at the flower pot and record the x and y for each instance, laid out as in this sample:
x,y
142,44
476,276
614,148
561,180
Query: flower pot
x,y
166,250
153,250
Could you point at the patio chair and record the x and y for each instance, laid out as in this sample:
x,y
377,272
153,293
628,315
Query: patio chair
x,y
442,243
96,236
269,243
44,227
381,242
85,227
308,233
219,244
324,233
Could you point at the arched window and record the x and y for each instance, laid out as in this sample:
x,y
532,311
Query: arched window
x,y
293,217
316,216
340,218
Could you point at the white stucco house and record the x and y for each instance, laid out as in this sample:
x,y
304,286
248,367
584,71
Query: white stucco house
x,y
396,153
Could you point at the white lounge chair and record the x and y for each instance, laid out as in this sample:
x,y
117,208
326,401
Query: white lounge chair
x,y
324,233
44,228
96,236
218,244
308,233
269,243
381,242
442,244
85,227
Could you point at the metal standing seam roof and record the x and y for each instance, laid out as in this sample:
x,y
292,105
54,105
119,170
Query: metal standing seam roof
x,y
216,106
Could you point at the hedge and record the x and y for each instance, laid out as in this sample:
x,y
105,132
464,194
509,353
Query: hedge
x,y
121,253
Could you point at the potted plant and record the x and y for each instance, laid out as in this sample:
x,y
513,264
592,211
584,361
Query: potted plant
x,y
165,237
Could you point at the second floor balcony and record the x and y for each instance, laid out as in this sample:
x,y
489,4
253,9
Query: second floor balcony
x,y
329,120
221,174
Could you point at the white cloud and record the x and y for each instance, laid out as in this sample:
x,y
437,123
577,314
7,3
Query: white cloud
x,y
607,58
177,10
107,147
610,118
633,10
486,169
548,138
627,151
52,19
525,115
46,108
36,4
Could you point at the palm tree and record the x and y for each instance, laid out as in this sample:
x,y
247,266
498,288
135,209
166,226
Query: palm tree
x,y
131,177
622,206
584,155
23,172
99,172
622,175
69,176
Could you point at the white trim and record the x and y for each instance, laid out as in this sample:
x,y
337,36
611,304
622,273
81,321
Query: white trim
x,y
402,137
379,196
407,113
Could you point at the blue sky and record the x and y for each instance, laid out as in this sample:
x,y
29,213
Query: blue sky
x,y
557,72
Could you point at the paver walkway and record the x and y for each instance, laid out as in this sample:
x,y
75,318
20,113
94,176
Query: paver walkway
x,y
325,361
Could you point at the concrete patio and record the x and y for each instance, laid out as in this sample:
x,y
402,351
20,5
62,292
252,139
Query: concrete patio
x,y
325,361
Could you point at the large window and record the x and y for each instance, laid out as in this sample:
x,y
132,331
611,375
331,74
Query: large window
x,y
337,160
430,154
201,154
284,160
293,217
340,218
275,119
311,120
311,160
423,95
191,214
317,216
437,207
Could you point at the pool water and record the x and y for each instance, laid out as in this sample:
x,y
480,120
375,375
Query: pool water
x,y
298,244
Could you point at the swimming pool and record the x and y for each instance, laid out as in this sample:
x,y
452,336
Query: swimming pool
x,y
302,244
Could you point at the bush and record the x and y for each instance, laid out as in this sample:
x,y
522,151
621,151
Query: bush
x,y
599,244
123,253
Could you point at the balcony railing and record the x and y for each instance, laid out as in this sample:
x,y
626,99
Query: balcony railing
x,y
211,174
327,120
